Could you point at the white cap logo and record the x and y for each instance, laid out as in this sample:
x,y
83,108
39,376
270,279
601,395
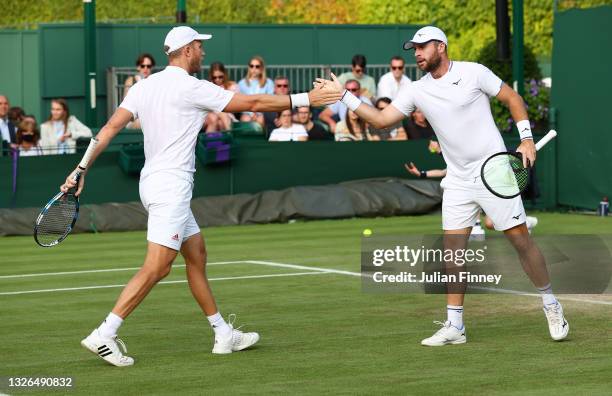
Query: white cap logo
x,y
424,35
181,36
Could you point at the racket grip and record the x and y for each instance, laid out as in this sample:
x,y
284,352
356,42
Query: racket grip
x,y
87,156
547,138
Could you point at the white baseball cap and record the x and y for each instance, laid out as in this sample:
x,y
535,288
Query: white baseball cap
x,y
424,35
181,36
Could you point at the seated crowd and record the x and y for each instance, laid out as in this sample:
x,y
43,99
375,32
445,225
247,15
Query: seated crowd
x,y
59,133
334,122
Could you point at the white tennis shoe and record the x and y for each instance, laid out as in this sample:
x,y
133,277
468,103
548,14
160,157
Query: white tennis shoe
x,y
108,349
446,335
237,341
557,325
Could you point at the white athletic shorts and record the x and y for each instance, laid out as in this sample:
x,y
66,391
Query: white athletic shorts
x,y
463,200
166,197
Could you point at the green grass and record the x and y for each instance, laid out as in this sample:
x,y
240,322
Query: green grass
x,y
320,333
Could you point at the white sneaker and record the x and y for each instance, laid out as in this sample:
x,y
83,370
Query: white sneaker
x,y
446,335
108,349
236,342
557,325
531,222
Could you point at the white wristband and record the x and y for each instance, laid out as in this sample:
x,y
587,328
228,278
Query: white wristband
x,y
351,101
299,100
524,128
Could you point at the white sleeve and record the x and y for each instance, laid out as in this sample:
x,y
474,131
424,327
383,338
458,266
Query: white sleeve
x,y
130,100
404,101
487,81
208,96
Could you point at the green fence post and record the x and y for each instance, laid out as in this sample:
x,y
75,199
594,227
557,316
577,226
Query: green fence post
x,y
89,22
181,11
517,46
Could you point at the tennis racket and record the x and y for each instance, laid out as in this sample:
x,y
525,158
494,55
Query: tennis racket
x,y
504,174
57,218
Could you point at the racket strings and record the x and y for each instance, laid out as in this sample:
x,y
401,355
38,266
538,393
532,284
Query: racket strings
x,y
505,175
57,221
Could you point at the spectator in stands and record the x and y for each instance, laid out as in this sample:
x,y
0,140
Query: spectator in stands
x,y
7,128
391,82
219,121
395,132
28,138
281,87
337,111
255,82
417,127
288,131
367,83
352,129
15,115
144,64
60,132
315,131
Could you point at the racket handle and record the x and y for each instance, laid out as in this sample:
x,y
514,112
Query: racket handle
x,y
547,138
87,156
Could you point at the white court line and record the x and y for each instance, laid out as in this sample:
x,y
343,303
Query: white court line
x,y
162,283
494,290
104,270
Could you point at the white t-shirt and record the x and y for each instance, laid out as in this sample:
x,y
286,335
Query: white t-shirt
x,y
458,109
388,87
171,106
292,133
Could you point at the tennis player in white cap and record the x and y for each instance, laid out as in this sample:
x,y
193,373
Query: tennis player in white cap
x,y
171,106
454,96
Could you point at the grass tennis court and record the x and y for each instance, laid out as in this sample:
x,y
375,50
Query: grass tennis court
x,y
320,333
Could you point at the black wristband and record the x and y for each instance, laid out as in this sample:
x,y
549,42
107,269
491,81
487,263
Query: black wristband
x,y
423,174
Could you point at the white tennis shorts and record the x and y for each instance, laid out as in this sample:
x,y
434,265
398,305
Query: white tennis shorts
x,y
463,200
166,197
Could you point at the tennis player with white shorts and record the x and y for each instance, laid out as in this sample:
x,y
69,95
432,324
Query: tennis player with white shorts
x,y
454,96
171,106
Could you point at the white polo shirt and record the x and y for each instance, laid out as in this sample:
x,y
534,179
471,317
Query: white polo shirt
x,y
171,106
458,109
388,87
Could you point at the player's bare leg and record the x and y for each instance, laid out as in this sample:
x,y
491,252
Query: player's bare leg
x,y
227,339
103,341
194,253
452,330
534,265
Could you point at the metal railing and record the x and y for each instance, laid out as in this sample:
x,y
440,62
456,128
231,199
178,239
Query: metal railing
x,y
300,76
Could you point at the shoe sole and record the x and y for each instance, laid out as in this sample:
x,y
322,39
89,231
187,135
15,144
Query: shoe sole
x,y
458,342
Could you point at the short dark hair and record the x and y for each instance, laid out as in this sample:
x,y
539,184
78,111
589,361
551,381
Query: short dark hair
x,y
143,56
397,58
359,60
383,99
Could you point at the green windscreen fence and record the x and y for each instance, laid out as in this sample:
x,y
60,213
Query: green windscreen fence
x,y
582,55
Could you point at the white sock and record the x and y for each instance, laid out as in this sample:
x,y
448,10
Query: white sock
x,y
219,325
455,315
547,295
109,327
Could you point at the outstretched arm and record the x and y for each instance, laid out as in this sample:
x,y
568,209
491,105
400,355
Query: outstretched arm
x,y
318,96
377,118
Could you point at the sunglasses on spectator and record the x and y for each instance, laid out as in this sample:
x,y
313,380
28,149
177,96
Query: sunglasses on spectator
x,y
397,67
145,66
353,89
282,85
358,70
254,66
218,77
303,112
